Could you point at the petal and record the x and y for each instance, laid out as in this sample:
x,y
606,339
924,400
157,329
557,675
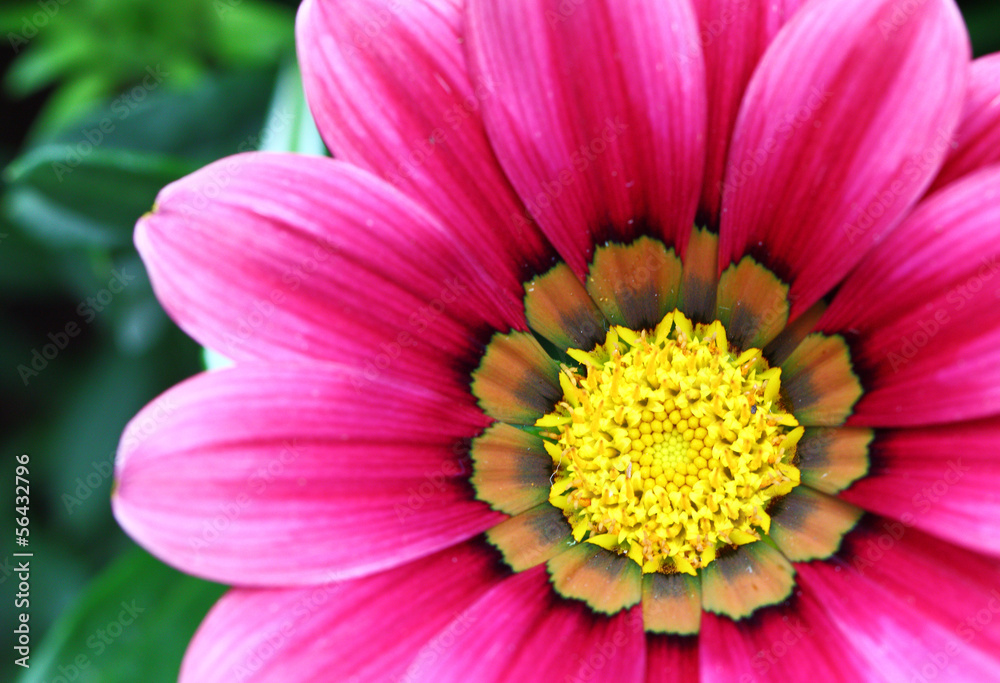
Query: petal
x,y
607,582
671,659
389,88
819,381
752,576
510,469
752,303
928,357
635,285
364,629
809,525
520,631
977,140
840,120
559,309
700,276
597,114
284,256
942,480
516,381
533,537
832,458
793,642
262,475
947,239
914,607
733,36
671,603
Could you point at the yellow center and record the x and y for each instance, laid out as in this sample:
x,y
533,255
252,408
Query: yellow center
x,y
671,446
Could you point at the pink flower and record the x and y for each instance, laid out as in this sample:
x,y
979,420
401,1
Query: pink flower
x,y
475,431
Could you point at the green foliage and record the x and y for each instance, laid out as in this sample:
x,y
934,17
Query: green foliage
x,y
88,50
132,624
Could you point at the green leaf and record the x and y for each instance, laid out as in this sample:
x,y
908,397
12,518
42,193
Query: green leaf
x,y
132,624
86,195
251,32
219,117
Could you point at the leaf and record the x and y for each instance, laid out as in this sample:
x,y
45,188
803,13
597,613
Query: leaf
x,y
87,195
219,117
133,623
253,32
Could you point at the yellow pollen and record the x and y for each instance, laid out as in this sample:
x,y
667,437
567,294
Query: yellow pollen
x,y
671,446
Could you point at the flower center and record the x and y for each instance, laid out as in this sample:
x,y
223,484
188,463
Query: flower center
x,y
671,446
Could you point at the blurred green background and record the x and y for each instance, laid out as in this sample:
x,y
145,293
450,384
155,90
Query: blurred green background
x,y
104,102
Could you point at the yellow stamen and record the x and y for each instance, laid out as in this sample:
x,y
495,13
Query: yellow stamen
x,y
671,445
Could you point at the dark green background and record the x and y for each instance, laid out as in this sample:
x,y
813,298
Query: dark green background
x,y
231,62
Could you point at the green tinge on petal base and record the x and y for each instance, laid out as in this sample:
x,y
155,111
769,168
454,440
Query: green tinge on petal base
x,y
671,603
511,469
818,378
753,576
635,285
559,309
809,525
833,458
752,303
608,583
516,381
531,538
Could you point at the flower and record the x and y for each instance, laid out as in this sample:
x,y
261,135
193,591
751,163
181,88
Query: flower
x,y
500,413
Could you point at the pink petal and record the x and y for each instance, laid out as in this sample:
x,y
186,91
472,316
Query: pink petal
x,y
849,113
920,311
597,114
944,241
977,140
284,256
670,659
914,607
389,88
277,476
943,480
733,36
522,631
360,630
797,641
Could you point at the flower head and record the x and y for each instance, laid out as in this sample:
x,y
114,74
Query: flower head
x,y
588,355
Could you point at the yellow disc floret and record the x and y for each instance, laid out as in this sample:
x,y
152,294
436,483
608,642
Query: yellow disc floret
x,y
670,446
